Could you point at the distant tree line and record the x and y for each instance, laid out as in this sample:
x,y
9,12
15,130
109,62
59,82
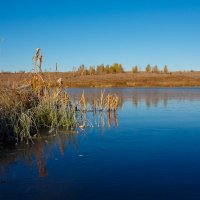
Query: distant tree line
x,y
151,69
99,69
109,69
115,68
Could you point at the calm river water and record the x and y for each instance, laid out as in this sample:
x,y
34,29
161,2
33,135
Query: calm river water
x,y
149,149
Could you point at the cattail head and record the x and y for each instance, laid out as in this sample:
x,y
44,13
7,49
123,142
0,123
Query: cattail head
x,y
40,62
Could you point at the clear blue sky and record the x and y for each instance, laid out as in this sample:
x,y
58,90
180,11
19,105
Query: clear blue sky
x,y
72,32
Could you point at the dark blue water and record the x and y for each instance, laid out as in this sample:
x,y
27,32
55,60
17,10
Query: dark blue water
x,y
149,150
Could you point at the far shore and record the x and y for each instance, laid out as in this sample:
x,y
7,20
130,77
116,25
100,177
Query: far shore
x,y
127,79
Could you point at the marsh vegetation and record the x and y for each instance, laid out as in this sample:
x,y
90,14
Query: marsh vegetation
x,y
43,103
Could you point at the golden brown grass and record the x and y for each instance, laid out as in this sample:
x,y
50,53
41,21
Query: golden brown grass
x,y
175,79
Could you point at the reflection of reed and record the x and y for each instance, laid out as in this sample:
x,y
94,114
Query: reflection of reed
x,y
155,101
40,159
66,139
102,119
39,149
71,139
115,119
109,118
83,119
97,118
62,144
39,152
135,101
112,119
165,99
148,102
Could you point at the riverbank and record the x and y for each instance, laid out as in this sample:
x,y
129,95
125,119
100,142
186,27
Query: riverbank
x,y
127,79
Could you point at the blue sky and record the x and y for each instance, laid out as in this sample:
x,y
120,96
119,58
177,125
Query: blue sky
x,y
91,32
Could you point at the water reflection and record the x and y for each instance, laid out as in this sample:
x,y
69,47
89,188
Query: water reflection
x,y
39,153
153,100
152,97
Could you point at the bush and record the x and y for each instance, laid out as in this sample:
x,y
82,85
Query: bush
x,y
148,68
135,69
